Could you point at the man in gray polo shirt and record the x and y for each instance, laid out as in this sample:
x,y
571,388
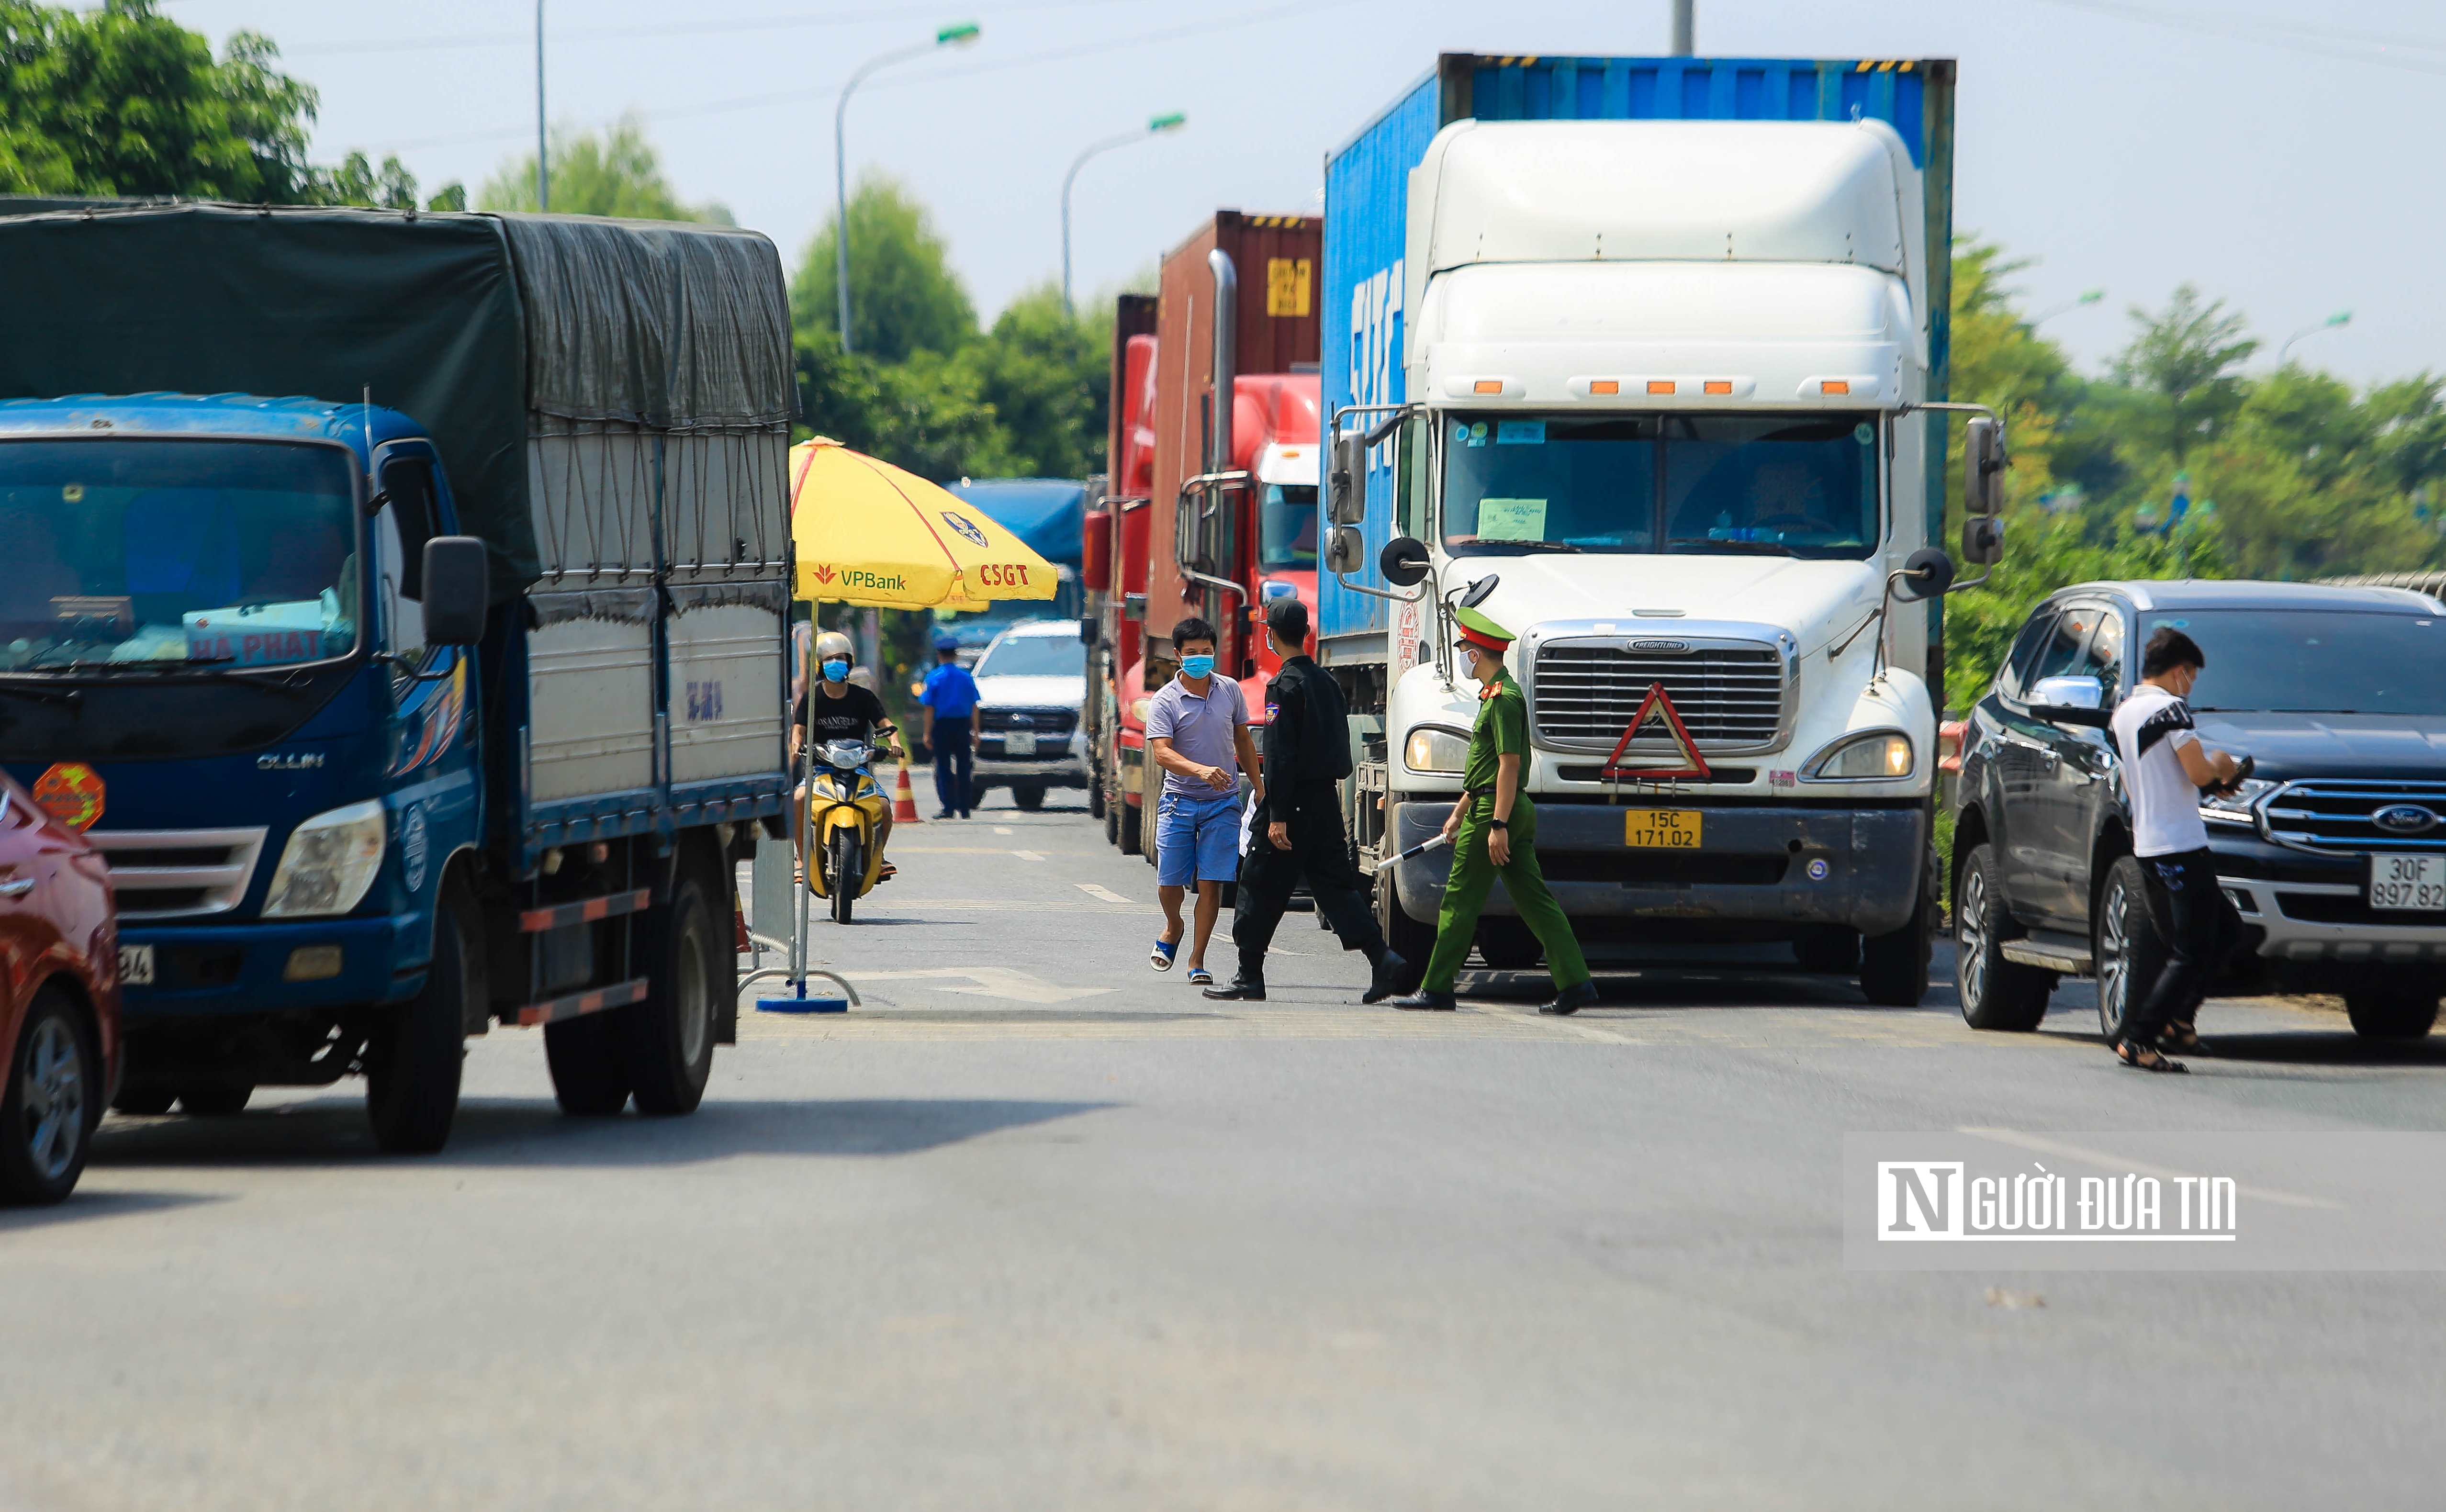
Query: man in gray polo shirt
x,y
1197,732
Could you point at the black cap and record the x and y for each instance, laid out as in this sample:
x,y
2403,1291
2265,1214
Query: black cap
x,y
1288,618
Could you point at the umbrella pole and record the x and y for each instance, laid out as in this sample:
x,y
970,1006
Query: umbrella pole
x,y
800,887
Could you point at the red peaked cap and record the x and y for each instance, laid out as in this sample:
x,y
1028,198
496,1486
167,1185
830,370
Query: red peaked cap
x,y
1480,631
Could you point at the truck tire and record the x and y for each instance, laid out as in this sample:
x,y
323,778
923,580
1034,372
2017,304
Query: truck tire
x,y
2392,1008
668,1039
1096,806
413,1058
1996,993
1893,968
50,1104
2125,950
215,1101
1111,814
590,1077
1133,828
1407,938
1506,942
1028,796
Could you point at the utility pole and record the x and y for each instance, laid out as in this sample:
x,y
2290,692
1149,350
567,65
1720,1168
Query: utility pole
x,y
543,169
1166,122
1684,28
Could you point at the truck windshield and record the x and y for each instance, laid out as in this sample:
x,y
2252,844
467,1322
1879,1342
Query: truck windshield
x,y
1802,485
1289,541
2313,661
141,554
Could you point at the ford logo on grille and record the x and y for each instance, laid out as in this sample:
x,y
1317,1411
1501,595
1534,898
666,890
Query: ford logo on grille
x,y
1659,645
2404,818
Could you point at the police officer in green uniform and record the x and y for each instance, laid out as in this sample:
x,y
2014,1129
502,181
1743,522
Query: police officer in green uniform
x,y
1493,833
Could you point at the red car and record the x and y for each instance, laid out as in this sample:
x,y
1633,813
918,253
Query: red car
x,y
59,999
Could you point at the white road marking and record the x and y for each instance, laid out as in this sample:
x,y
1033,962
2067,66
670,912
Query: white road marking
x,y
1028,856
1005,829
1099,890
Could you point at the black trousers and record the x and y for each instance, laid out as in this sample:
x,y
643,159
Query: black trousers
x,y
954,763
2201,930
1318,851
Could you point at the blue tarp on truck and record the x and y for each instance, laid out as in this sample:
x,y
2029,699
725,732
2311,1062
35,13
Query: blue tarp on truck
x,y
1050,514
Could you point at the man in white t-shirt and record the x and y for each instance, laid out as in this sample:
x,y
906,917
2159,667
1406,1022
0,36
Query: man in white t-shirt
x,y
2165,767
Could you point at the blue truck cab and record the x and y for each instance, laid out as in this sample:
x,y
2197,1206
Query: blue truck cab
x,y
399,722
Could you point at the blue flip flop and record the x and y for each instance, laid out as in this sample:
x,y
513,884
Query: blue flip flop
x,y
1200,976
1161,958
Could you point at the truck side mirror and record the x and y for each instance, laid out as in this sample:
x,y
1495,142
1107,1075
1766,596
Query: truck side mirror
x,y
1983,466
1982,540
458,590
1345,550
1347,496
1405,561
1927,573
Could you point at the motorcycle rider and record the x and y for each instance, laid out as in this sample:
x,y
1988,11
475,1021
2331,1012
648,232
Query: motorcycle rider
x,y
837,709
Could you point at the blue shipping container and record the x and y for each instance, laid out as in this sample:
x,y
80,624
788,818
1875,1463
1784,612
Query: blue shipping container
x,y
1367,212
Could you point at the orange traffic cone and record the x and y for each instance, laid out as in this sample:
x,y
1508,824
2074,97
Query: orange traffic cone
x,y
904,802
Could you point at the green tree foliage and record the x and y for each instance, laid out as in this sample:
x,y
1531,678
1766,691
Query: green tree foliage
x,y
611,172
904,297
2179,372
1047,374
122,101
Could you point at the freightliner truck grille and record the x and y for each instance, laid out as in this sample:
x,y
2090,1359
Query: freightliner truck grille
x,y
1731,697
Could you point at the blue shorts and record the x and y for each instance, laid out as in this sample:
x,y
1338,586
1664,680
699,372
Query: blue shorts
x,y
1196,840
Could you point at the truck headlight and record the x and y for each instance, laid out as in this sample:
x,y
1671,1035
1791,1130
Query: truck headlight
x,y
329,863
1877,756
1433,749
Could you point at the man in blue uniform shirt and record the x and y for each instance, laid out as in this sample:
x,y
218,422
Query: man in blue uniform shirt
x,y
950,700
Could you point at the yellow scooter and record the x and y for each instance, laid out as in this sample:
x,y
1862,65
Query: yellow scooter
x,y
845,812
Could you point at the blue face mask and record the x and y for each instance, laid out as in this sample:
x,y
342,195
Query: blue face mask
x,y
835,671
1198,666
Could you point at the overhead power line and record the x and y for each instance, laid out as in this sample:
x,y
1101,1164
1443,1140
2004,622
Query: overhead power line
x,y
2290,36
696,29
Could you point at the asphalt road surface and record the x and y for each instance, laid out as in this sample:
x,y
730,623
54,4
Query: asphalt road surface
x,y
1036,1228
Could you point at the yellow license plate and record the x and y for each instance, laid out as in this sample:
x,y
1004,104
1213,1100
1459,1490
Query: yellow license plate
x,y
1660,828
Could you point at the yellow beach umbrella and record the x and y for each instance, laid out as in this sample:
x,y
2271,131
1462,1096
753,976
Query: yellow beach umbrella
x,y
871,534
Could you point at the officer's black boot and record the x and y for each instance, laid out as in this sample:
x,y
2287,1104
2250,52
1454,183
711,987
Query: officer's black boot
x,y
1244,987
1572,999
1385,978
1433,1002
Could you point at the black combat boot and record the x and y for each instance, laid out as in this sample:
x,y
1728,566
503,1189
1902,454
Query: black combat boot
x,y
1572,999
1242,988
1433,1002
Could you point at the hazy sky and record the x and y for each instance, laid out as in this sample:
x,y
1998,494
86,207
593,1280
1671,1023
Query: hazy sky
x,y
2282,156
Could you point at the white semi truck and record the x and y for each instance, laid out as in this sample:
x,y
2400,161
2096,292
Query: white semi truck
x,y
1654,394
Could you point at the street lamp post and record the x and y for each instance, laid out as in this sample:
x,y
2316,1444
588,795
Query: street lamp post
x,y
953,36
1685,27
2342,318
2088,296
1166,122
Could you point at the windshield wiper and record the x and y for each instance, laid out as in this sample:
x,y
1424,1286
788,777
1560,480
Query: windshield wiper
x,y
68,696
1702,548
1533,545
283,679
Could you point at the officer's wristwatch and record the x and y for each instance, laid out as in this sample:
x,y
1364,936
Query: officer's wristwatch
x,y
1498,823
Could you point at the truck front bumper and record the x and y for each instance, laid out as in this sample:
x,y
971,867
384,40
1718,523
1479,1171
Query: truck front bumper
x,y
1778,868
245,967
1069,770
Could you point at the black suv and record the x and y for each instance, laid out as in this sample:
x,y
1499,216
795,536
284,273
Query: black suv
x,y
2334,850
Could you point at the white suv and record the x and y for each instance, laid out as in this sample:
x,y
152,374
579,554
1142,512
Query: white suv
x,y
1030,684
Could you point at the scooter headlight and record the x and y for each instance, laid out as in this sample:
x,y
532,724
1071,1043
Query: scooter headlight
x,y
329,863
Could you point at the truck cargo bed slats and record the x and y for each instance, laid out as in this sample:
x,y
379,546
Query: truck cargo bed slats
x,y
593,1001
585,911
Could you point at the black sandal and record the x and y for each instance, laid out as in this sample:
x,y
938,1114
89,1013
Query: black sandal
x,y
2129,1055
2184,1038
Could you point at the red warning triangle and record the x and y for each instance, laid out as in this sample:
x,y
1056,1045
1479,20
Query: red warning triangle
x,y
1655,708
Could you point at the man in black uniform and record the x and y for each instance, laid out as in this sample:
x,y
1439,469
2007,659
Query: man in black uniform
x,y
1306,751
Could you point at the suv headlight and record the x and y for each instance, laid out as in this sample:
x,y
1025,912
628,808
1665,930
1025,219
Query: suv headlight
x,y
329,863
1433,749
2238,807
1879,756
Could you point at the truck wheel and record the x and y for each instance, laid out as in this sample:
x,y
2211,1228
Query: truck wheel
x,y
1112,816
2388,1008
847,873
1133,828
1029,796
1508,943
215,1101
1835,951
1096,809
412,1061
1996,993
1893,968
590,1077
1407,938
2125,951
668,1039
50,1104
